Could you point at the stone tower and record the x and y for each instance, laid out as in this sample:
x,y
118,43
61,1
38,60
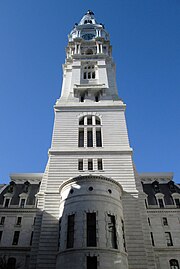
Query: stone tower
x,y
90,213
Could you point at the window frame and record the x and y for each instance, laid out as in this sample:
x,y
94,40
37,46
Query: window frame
x,y
91,262
18,223
152,239
16,236
168,239
22,205
174,266
70,231
80,164
90,165
89,71
91,233
112,232
90,131
99,164
9,203
164,221
3,218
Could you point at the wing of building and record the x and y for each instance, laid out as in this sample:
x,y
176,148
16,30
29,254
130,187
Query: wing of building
x,y
90,209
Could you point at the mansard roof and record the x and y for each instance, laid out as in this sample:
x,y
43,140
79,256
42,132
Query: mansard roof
x,y
167,189
21,184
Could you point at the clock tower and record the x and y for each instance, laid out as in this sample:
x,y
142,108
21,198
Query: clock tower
x,y
89,207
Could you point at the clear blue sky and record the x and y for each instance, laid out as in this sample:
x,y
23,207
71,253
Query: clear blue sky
x,y
146,48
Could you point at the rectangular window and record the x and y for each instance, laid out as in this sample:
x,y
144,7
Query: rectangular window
x,y
81,138
168,239
31,238
112,231
149,222
7,202
82,98
16,238
161,204
2,220
89,138
100,164
18,222
177,202
91,229
70,231
91,262
80,164
34,220
84,76
123,232
152,239
90,164
1,232
98,138
22,203
165,222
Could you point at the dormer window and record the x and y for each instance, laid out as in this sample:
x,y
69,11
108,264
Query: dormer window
x,y
11,187
26,186
7,199
176,199
22,202
155,185
160,200
177,202
7,202
23,199
172,186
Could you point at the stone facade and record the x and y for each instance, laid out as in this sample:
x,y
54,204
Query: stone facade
x,y
90,208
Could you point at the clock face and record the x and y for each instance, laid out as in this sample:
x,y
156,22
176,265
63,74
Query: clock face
x,y
88,36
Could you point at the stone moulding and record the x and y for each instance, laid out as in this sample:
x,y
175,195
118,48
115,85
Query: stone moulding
x,y
88,178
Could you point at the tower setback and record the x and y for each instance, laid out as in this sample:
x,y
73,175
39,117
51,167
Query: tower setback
x,y
90,209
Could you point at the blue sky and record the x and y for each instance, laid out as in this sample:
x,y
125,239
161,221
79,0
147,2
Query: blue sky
x,y
145,35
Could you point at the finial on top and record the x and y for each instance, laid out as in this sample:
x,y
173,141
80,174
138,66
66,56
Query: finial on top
x,y
90,12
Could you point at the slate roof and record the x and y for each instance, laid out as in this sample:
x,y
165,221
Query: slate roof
x,y
17,190
165,188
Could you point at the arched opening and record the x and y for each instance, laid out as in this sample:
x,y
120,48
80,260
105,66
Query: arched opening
x,y
11,264
174,264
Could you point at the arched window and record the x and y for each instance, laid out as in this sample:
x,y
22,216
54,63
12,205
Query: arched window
x,y
11,264
90,128
160,199
174,264
89,71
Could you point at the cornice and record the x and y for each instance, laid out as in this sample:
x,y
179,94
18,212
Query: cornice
x,y
89,177
19,210
100,107
167,249
90,152
33,178
165,210
15,248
